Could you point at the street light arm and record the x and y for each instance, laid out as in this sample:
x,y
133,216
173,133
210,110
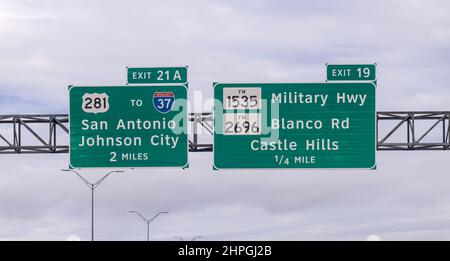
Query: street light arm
x,y
180,238
96,184
153,218
90,185
197,237
139,214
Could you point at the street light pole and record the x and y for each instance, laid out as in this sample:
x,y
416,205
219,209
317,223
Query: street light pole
x,y
148,230
148,221
92,213
92,187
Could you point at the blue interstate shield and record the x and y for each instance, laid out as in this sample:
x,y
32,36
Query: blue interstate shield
x,y
163,101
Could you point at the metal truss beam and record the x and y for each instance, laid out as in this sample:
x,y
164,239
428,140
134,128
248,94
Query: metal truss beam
x,y
420,130
32,126
403,126
206,122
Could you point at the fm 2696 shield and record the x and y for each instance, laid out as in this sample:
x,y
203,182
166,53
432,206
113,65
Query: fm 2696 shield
x,y
242,123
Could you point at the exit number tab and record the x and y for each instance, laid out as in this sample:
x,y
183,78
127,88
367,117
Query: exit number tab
x,y
157,75
351,72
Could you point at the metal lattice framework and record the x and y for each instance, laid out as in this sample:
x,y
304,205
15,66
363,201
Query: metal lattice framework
x,y
424,130
205,121
44,132
19,126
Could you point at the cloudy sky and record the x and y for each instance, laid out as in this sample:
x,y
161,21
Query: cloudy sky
x,y
47,45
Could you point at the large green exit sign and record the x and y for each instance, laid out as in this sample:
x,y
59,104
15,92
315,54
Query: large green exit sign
x,y
351,72
124,126
157,75
294,125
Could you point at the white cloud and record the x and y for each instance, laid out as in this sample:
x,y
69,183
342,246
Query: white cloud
x,y
47,45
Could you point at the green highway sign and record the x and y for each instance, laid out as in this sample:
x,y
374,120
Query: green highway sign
x,y
351,72
157,75
294,125
128,126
